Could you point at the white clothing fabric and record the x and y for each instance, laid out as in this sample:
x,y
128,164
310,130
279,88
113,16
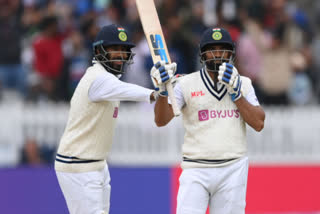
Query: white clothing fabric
x,y
250,97
215,132
88,136
223,188
87,192
215,164
107,87
81,158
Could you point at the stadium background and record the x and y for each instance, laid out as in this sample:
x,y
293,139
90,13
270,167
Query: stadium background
x,y
278,48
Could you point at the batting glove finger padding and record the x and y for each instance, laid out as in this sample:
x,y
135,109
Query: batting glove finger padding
x,y
229,76
227,73
161,73
235,89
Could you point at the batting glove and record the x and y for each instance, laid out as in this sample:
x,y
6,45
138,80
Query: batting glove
x,y
161,73
229,76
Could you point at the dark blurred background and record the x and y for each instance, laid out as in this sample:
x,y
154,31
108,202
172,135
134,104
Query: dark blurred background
x,y
46,46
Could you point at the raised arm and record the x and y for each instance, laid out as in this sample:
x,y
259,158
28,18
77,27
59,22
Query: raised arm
x,y
253,115
108,87
163,112
160,74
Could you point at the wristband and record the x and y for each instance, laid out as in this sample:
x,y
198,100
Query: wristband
x,y
163,93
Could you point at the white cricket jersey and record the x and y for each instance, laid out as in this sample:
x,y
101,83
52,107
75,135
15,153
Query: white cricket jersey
x,y
94,107
215,132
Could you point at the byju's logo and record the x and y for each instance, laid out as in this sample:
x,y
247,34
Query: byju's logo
x,y
115,113
212,114
158,46
203,115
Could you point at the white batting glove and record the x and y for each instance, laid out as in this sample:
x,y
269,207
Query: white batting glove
x,y
229,76
160,74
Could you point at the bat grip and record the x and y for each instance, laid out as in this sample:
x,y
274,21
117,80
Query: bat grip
x,y
176,110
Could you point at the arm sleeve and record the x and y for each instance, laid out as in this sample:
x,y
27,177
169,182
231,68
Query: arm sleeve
x,y
251,97
107,87
179,96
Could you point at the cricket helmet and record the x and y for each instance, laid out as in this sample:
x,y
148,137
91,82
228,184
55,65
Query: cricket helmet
x,y
210,38
113,35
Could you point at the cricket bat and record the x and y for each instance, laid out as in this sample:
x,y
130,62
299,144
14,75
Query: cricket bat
x,y
156,42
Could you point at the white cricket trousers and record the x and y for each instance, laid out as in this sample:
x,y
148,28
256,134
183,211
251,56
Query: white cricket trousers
x,y
222,188
86,193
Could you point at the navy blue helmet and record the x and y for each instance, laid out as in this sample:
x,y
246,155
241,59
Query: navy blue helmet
x,y
212,56
116,38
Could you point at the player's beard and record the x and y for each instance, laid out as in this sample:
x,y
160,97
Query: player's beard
x,y
116,65
212,66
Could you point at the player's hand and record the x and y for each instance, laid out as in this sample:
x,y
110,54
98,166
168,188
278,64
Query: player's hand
x,y
161,73
229,76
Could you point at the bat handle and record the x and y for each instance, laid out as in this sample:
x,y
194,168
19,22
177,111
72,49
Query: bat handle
x,y
172,97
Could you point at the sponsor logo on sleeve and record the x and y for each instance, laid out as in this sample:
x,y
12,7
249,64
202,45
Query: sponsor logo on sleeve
x,y
115,113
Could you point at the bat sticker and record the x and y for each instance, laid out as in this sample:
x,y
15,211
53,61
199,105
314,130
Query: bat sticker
x,y
158,47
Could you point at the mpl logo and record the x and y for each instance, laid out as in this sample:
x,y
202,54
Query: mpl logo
x,y
158,46
197,94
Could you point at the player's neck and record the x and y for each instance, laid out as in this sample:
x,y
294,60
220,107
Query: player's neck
x,y
214,77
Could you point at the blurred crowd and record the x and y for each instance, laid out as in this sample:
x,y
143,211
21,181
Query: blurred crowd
x,y
46,45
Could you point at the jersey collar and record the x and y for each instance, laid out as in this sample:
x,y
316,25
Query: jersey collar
x,y
221,89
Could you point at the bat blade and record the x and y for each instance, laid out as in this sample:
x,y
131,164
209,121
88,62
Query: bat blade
x,y
156,42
